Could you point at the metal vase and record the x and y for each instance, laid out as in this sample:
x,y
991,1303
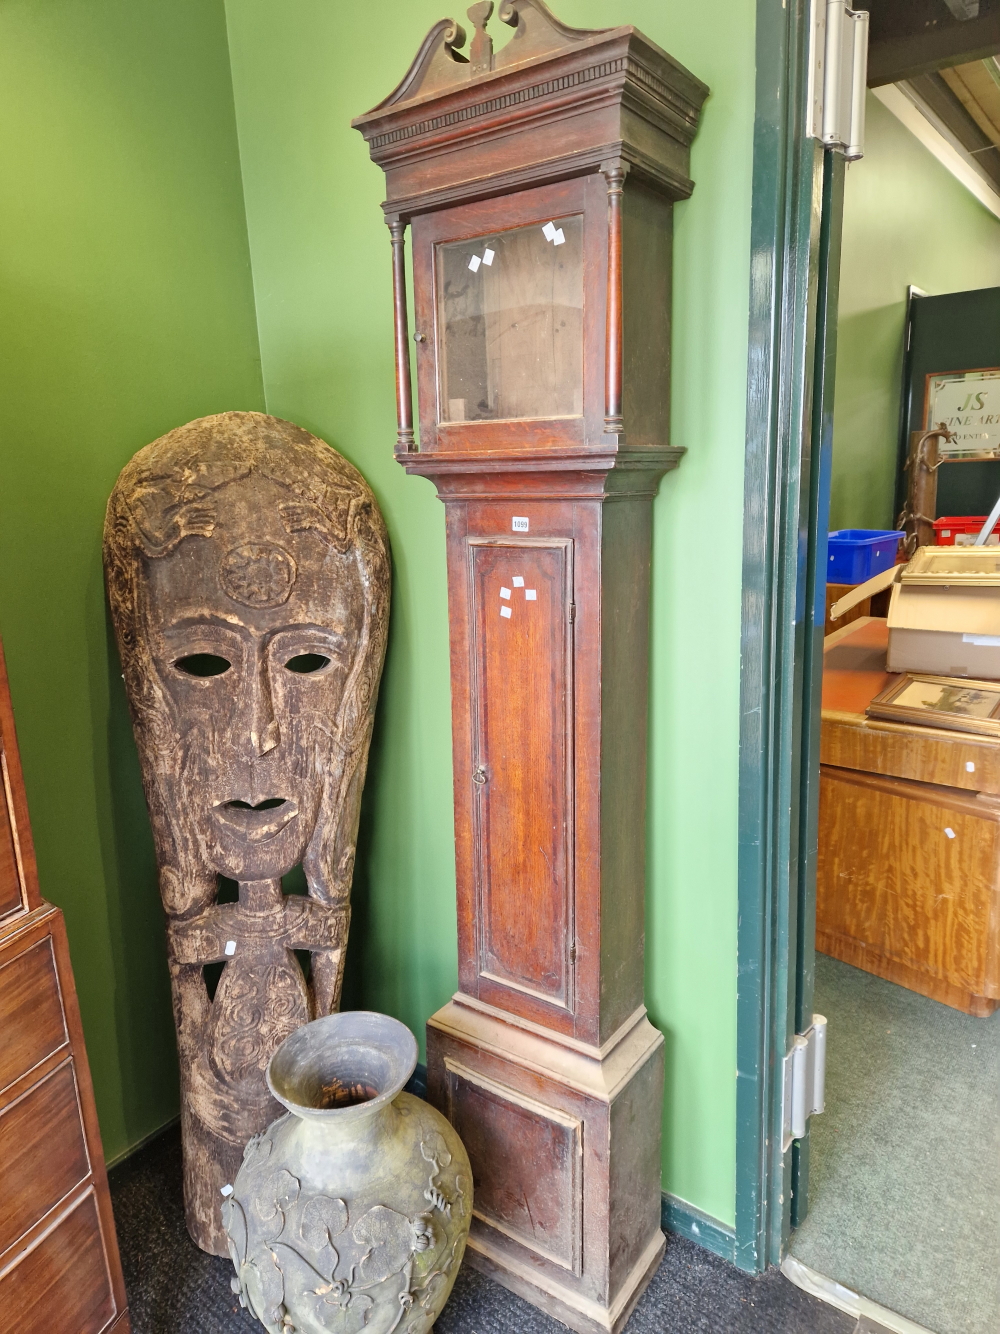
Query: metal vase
x,y
351,1212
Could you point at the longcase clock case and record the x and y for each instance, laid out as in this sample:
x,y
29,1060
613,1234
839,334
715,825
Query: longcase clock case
x,y
538,183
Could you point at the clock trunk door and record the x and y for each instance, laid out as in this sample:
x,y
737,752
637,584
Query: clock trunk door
x,y
522,711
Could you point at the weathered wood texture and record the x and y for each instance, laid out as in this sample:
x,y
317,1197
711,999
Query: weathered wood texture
x,y
248,573
545,1059
908,875
59,1265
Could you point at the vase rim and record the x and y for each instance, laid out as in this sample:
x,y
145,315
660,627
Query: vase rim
x,y
347,1049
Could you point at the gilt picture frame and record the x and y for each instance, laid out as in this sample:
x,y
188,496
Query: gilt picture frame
x,y
954,703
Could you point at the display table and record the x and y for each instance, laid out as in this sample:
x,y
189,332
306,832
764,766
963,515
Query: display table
x,y
908,871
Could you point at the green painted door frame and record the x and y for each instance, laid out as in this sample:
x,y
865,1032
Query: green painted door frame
x,y
795,246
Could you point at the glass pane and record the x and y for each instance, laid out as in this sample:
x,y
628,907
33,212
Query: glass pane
x,y
511,323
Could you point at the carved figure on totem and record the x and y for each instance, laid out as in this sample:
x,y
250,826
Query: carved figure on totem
x,y
248,572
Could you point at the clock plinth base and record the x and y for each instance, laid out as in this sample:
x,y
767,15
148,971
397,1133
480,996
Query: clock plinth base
x,y
561,1302
564,1141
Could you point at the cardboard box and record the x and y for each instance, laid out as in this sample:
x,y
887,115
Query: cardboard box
x,y
944,613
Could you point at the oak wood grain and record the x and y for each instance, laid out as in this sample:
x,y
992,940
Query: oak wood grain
x,y
911,976
32,1023
923,754
523,752
529,1158
63,1282
43,1152
909,875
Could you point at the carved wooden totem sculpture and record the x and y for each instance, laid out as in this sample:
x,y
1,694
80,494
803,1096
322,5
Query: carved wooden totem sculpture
x,y
248,572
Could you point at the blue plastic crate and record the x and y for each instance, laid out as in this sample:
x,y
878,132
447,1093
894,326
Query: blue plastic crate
x,y
855,554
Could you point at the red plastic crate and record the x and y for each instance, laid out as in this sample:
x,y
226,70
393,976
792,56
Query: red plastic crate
x,y
962,530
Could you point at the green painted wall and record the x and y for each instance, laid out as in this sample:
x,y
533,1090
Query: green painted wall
x,y
906,220
126,308
301,70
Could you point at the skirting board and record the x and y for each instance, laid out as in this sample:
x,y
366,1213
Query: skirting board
x,y
119,1158
844,1299
417,1083
686,1221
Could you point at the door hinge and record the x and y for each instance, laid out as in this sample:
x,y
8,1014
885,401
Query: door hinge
x,y
838,75
804,1081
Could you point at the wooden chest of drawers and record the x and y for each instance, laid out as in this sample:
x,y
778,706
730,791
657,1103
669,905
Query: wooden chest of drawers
x,y
59,1265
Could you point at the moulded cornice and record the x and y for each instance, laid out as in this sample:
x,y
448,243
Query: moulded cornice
x,y
614,93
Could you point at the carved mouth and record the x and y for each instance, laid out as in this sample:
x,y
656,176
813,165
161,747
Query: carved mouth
x,y
256,822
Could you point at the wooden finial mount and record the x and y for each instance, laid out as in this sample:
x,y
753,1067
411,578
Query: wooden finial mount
x,y
481,51
439,65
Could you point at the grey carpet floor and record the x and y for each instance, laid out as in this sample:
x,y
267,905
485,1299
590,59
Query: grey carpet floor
x,y
905,1162
174,1288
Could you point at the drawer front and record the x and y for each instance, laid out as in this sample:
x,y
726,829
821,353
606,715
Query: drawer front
x,y
43,1152
62,1283
32,1025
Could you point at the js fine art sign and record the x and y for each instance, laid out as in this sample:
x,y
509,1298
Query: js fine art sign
x,y
968,403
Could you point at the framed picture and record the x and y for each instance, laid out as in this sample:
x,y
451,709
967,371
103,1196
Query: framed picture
x,y
941,701
968,402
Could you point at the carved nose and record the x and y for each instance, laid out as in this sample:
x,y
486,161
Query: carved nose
x,y
267,739
264,733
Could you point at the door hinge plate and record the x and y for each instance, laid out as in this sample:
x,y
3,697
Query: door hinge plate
x,y
803,1081
838,76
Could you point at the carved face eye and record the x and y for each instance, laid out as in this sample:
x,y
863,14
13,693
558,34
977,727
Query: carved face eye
x,y
307,662
202,664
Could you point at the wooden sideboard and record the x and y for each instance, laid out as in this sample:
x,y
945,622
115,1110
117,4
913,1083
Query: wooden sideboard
x,y
908,871
59,1265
